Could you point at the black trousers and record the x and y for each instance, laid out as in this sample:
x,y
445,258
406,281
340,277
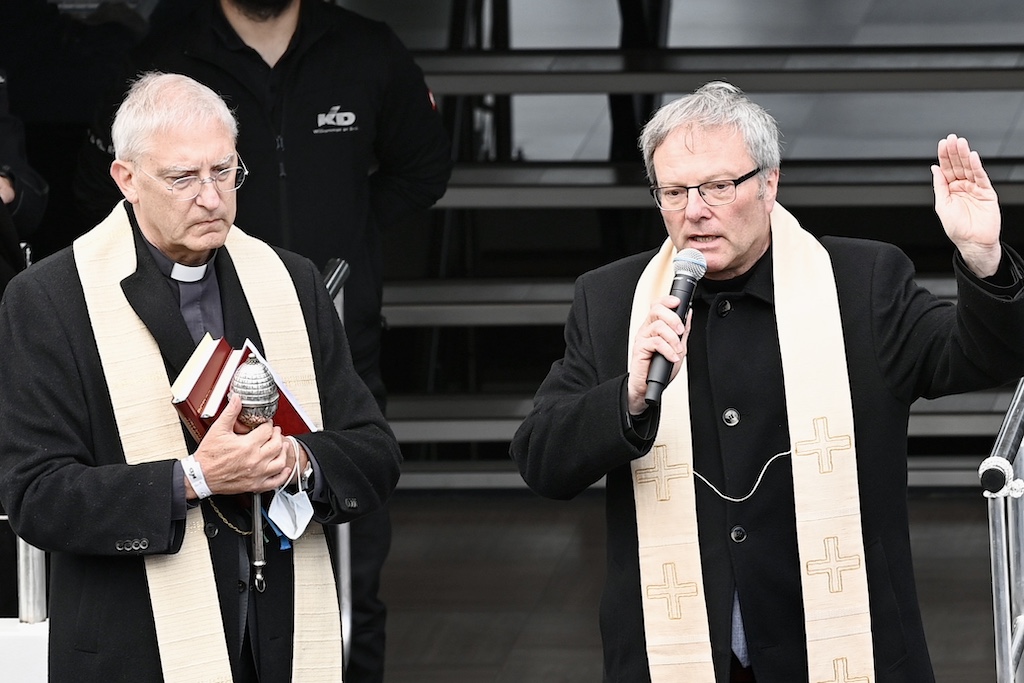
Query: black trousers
x,y
370,542
740,674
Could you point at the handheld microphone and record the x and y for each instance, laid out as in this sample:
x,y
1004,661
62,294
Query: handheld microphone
x,y
689,266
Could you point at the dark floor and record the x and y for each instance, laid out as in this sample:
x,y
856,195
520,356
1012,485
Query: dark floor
x,y
503,586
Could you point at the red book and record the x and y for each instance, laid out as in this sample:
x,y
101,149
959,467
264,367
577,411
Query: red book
x,y
199,393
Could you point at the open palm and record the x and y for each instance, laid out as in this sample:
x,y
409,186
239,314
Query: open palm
x,y
967,205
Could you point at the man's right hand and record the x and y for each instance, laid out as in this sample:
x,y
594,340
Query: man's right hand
x,y
663,332
232,463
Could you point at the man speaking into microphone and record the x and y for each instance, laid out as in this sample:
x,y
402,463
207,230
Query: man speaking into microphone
x,y
756,512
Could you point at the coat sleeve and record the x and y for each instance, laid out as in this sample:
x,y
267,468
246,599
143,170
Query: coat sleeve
x,y
412,148
63,478
575,433
356,451
927,347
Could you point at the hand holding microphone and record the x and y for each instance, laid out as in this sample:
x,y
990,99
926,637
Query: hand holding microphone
x,y
689,266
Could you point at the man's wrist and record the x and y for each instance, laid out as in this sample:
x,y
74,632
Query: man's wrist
x,y
982,262
304,472
306,477
194,477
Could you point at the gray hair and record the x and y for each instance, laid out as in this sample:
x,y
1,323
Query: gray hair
x,y
158,102
716,104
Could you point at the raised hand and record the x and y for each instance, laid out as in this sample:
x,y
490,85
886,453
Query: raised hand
x,y
967,205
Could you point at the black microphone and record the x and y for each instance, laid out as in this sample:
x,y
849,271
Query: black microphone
x,y
689,266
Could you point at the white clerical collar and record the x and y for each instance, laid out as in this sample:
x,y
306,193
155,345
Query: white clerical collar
x,y
183,273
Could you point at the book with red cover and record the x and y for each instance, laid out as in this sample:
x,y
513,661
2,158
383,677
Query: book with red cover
x,y
199,393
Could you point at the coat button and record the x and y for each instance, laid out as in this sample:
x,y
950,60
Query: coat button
x,y
211,530
738,534
724,307
241,586
731,417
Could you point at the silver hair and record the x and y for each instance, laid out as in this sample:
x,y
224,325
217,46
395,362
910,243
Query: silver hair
x,y
713,105
158,102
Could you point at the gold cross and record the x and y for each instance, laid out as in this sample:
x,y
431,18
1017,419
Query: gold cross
x,y
840,667
661,472
672,591
822,445
834,565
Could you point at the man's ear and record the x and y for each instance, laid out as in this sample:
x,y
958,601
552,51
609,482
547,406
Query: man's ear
x,y
123,173
771,188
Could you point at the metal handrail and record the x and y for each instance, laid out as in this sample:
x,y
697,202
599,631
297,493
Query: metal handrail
x,y
996,471
335,274
1001,479
31,560
31,582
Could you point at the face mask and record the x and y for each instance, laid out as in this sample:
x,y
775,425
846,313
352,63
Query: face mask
x,y
291,512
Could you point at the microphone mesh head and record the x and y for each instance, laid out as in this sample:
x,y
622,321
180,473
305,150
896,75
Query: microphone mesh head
x,y
690,262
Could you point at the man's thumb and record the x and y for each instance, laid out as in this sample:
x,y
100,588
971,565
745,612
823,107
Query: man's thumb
x,y
230,413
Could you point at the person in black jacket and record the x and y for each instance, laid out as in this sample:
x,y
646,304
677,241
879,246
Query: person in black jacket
x,y
342,140
23,192
757,515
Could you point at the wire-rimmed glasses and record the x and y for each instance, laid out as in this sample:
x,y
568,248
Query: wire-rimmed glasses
x,y
188,188
713,192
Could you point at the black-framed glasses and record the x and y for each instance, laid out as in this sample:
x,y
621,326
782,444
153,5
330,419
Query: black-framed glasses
x,y
188,188
714,192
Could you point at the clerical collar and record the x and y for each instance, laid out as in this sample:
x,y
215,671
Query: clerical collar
x,y
178,271
183,273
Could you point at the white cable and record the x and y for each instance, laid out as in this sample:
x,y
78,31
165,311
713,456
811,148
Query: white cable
x,y
756,483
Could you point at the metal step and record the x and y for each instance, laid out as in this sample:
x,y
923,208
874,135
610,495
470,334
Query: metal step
x,y
596,185
675,70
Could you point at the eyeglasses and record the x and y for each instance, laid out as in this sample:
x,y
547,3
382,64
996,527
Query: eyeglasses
x,y
714,193
188,188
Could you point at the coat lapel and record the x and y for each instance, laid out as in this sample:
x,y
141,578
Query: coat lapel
x,y
153,299
239,324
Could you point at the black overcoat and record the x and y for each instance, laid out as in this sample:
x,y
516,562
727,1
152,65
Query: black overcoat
x,y
902,343
64,481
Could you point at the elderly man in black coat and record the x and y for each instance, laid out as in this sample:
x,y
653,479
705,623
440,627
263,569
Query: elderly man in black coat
x,y
729,557
156,561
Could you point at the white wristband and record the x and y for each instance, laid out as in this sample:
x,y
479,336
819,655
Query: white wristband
x,y
194,472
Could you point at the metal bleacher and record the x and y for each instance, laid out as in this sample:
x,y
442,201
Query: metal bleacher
x,y
491,185
839,69
468,79
495,418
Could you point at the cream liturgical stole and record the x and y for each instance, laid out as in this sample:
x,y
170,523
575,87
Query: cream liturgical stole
x,y
831,547
182,586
